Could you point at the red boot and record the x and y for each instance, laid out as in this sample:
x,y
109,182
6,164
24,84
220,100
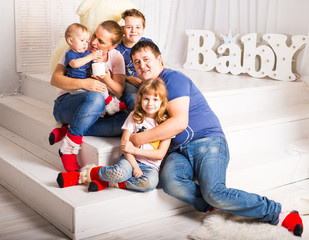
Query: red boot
x,y
69,148
58,134
90,174
67,179
293,223
97,185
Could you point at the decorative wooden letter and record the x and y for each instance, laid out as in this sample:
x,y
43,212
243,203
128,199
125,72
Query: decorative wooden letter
x,y
275,60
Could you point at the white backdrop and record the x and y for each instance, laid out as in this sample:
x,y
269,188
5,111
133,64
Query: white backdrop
x,y
289,17
167,21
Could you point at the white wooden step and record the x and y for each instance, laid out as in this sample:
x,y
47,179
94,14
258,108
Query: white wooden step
x,y
37,85
263,128
225,93
26,172
299,146
33,120
271,167
229,95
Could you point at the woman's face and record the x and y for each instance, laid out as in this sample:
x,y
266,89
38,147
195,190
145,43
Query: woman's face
x,y
101,40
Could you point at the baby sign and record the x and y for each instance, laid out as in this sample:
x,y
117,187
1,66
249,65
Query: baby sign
x,y
274,60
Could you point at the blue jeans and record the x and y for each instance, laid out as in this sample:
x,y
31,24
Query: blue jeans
x,y
122,171
206,161
82,112
129,95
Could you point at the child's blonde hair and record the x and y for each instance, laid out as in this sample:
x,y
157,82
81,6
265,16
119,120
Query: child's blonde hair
x,y
72,28
134,13
156,87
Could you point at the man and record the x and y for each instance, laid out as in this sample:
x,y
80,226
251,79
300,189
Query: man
x,y
199,150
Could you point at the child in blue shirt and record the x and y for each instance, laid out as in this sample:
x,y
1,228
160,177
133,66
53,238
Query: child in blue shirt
x,y
78,61
133,23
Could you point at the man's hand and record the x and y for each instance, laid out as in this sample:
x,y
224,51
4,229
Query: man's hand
x,y
134,81
134,140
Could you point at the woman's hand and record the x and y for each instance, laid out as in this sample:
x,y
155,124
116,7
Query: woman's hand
x,y
101,77
127,147
134,81
137,172
94,85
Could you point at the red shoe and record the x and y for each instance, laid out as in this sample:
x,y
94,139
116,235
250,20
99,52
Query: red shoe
x,y
58,134
293,223
68,179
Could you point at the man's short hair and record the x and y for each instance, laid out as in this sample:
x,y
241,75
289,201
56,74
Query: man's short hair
x,y
145,45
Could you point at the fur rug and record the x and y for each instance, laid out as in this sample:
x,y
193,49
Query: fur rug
x,y
218,225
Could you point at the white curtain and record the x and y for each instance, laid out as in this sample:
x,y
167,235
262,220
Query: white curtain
x,y
167,21
39,26
240,16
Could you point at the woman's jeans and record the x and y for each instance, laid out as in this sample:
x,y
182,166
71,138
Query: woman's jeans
x,y
122,171
82,112
206,161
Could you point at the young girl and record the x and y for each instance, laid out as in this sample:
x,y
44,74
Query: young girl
x,y
133,23
137,168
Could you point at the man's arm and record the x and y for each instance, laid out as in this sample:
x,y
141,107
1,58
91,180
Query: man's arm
x,y
155,154
178,110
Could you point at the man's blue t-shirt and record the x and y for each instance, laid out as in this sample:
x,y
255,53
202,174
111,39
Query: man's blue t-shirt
x,y
81,72
202,120
125,51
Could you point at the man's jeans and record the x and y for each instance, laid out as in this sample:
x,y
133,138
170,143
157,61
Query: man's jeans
x,y
82,112
122,171
129,95
206,161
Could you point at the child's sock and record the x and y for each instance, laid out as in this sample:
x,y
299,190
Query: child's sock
x,y
67,179
68,151
58,134
113,105
292,221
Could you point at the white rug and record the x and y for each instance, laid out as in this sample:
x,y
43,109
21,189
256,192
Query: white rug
x,y
218,225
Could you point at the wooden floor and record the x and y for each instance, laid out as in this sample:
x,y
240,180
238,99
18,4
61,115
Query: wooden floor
x,y
18,221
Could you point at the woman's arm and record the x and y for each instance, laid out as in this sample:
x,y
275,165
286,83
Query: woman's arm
x,y
115,85
156,154
137,172
59,80
178,110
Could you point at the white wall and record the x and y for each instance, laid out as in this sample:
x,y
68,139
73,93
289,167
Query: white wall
x,y
8,76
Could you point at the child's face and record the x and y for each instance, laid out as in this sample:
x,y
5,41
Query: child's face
x,y
151,104
133,29
79,41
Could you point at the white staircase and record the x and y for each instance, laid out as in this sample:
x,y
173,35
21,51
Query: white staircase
x,y
265,121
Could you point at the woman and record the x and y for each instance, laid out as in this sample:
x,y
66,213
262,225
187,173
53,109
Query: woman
x,y
82,111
